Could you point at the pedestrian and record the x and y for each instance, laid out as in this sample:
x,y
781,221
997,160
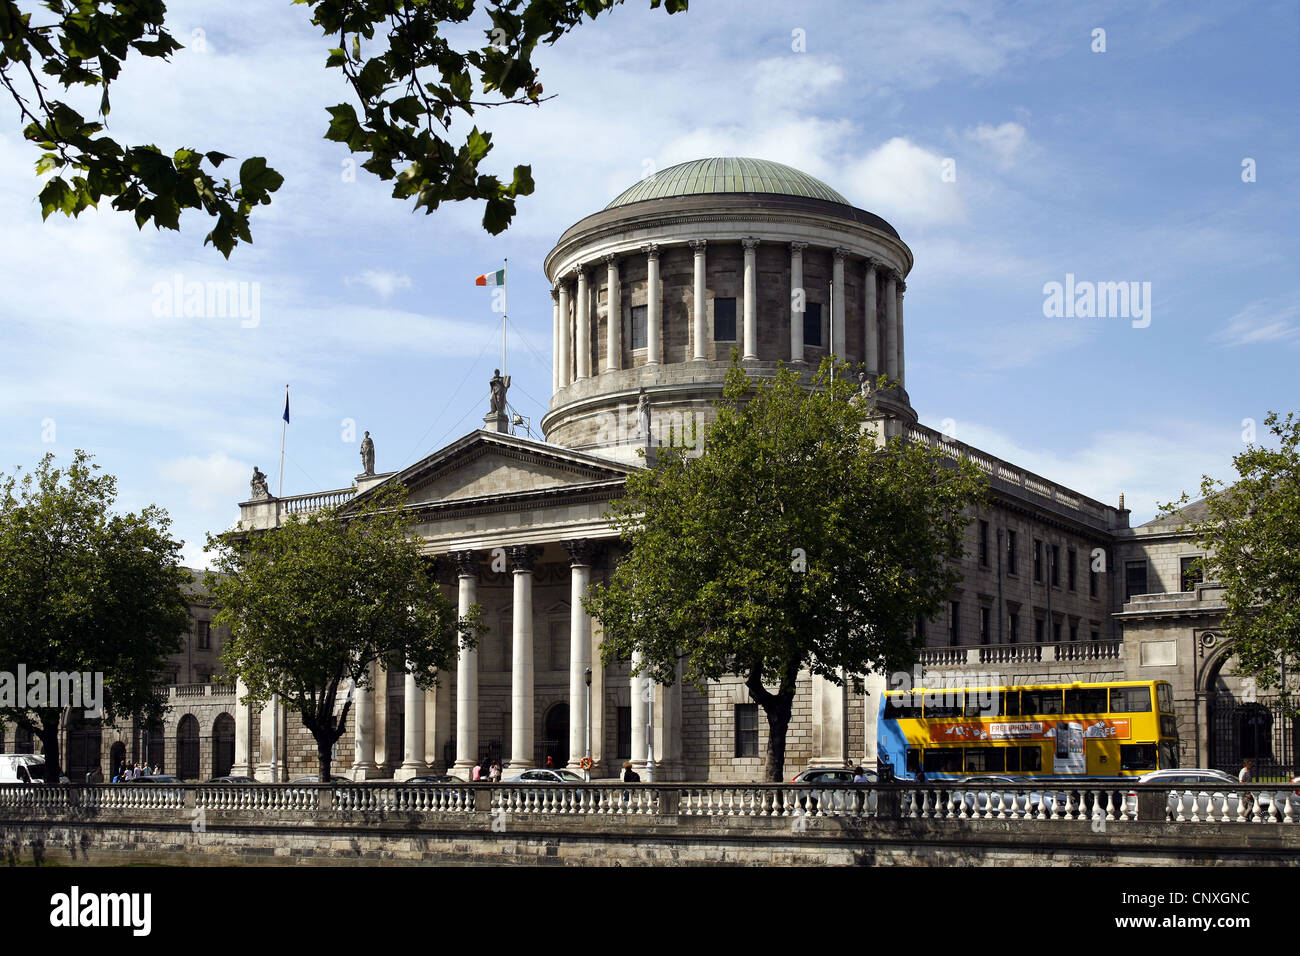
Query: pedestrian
x,y
629,775
860,774
494,774
549,763
476,775
1246,776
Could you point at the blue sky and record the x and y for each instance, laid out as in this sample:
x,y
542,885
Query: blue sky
x,y
1123,165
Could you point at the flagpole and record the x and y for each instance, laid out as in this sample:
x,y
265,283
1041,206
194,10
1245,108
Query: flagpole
x,y
284,425
505,309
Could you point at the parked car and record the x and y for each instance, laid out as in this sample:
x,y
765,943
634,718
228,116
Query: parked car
x,y
24,768
1194,788
232,780
828,776
983,786
546,776
443,779
315,778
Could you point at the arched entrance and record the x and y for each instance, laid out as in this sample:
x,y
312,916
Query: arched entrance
x,y
116,759
223,745
1243,722
187,748
83,747
555,737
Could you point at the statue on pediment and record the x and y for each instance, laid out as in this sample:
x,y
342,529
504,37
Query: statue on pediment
x,y
258,485
367,455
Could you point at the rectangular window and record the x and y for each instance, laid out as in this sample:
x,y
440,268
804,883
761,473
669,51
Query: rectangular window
x,y
205,635
1046,702
1130,700
1094,635
1188,573
1039,625
624,746
920,630
985,760
1071,566
1085,700
984,544
1168,755
1014,634
954,625
747,730
1092,582
984,625
1074,630
1165,697
1056,631
1135,579
724,320
1010,703
636,335
1011,551
1056,566
812,324
1024,758
1038,561
902,707
942,760
944,705
1137,757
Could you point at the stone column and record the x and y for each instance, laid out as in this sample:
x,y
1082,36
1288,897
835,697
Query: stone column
x,y
437,726
555,339
838,336
566,342
583,322
521,680
466,670
581,553
654,345
902,366
614,329
413,764
363,702
891,325
638,716
244,763
798,300
597,701
751,298
829,735
871,328
700,316
874,684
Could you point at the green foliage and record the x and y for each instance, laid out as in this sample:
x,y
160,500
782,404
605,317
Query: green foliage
x,y
796,541
84,589
410,83
312,604
1251,536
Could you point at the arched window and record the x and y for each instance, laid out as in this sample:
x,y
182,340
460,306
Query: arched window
x,y
187,748
223,745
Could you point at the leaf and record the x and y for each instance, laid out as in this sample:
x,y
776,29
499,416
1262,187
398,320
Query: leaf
x,y
256,179
57,196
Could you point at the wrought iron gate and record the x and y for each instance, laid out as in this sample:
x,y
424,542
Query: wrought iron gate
x,y
1258,729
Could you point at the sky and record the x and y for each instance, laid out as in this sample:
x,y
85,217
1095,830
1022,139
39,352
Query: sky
x,y
1010,145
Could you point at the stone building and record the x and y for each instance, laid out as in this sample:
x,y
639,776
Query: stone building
x,y
651,295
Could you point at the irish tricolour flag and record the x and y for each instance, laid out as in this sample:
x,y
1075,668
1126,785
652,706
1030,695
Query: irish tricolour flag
x,y
492,278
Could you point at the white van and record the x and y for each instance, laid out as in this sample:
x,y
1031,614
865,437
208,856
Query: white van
x,y
23,768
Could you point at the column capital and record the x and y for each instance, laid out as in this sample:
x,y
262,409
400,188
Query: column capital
x,y
555,292
797,248
698,245
582,551
651,250
900,285
840,252
523,556
872,264
610,260
466,563
580,271
749,242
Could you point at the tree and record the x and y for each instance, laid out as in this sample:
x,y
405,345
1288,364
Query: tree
x,y
410,84
313,603
1251,537
794,542
84,591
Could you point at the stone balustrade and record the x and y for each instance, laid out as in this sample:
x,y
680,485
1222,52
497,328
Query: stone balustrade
x,y
1098,803
1035,653
213,689
318,501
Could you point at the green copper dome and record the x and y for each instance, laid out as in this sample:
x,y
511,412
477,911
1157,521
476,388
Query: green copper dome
x,y
728,175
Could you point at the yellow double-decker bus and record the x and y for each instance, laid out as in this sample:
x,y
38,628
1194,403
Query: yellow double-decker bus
x,y
1112,729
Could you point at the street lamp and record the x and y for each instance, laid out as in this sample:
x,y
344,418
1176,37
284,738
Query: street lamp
x,y
587,676
649,730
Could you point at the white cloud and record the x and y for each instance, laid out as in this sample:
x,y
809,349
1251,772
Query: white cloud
x,y
904,183
381,281
209,482
1261,322
1005,142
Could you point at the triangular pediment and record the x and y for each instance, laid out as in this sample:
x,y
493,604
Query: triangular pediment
x,y
488,464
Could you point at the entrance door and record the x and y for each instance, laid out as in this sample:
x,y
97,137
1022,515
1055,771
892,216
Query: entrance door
x,y
555,739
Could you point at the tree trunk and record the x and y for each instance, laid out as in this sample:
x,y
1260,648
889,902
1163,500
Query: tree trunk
x,y
48,734
777,708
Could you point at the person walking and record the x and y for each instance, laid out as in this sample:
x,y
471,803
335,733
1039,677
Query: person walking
x,y
494,774
1246,776
476,775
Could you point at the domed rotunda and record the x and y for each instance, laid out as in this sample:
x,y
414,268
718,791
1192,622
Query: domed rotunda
x,y
657,289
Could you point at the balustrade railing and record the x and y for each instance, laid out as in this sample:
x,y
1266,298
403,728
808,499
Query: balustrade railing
x,y
1097,804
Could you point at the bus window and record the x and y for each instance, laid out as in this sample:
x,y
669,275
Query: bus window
x,y
1130,700
900,707
913,760
944,705
1085,700
981,703
942,760
1165,697
1168,727
985,759
1031,759
1137,757
1010,703
1168,755
1041,702
1013,759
